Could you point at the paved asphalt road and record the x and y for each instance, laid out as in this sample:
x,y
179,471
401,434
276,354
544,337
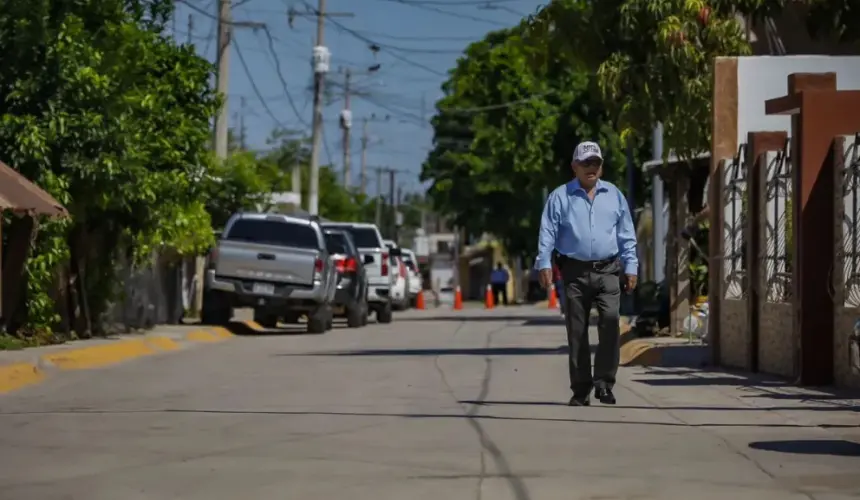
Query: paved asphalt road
x,y
429,407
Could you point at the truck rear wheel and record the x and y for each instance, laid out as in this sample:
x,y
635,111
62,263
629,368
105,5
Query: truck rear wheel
x,y
355,315
215,311
319,320
383,314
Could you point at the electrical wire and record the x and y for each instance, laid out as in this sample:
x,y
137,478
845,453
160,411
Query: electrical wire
x,y
458,15
399,112
453,3
281,76
337,24
326,146
426,38
254,85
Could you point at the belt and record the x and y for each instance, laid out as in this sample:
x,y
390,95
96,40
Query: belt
x,y
593,264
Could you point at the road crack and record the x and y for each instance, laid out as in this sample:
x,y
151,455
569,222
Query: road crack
x,y
488,446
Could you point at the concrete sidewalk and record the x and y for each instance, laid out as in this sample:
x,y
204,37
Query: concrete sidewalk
x,y
439,404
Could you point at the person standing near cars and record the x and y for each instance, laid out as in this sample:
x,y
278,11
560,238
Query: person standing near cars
x,y
499,283
588,222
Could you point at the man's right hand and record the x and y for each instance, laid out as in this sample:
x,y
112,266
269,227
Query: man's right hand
x,y
545,278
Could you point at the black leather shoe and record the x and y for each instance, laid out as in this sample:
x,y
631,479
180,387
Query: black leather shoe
x,y
578,400
605,396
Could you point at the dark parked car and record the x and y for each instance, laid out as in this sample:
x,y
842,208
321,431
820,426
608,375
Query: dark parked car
x,y
350,298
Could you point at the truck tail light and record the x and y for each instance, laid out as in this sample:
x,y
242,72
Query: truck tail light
x,y
384,264
318,269
346,265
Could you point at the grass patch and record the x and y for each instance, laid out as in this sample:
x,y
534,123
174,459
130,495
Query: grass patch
x,y
10,343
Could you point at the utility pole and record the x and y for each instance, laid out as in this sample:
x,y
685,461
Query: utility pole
x,y
364,141
392,185
379,196
398,221
346,125
190,37
243,145
321,60
221,80
321,66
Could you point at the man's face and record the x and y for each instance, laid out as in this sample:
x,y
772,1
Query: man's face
x,y
588,170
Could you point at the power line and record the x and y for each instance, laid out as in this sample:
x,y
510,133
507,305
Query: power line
x,y
458,15
254,87
452,3
281,76
425,38
202,12
373,43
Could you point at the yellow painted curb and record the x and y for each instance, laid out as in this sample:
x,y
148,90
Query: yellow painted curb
x,y
221,332
16,376
253,325
108,354
204,336
640,352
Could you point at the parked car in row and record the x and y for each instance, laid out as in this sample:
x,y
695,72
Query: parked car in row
x,y
400,287
367,238
276,264
416,282
350,299
287,267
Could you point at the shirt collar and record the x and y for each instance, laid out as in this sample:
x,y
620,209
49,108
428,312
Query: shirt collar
x,y
574,186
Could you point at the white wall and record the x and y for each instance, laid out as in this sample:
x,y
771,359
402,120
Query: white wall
x,y
765,77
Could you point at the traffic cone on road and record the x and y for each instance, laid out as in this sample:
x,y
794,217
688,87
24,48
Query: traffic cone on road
x,y
553,299
458,299
488,298
419,300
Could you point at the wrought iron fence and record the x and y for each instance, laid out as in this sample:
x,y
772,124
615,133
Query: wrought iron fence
x,y
778,226
851,221
734,208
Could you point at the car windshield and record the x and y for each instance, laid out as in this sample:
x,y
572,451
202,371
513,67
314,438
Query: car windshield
x,y
364,237
273,232
336,243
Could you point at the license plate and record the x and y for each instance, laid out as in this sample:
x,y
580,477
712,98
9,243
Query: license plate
x,y
264,288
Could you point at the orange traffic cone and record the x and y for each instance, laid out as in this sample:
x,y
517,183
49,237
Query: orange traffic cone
x,y
458,299
488,298
419,300
553,299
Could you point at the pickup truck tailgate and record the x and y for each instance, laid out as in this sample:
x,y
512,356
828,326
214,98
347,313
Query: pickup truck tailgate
x,y
269,250
266,262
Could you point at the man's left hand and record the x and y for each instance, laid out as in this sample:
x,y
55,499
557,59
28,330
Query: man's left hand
x,y
630,285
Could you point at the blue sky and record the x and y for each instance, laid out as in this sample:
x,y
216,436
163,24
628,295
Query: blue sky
x,y
420,41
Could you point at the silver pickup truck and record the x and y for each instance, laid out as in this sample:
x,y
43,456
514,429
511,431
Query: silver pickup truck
x,y
274,263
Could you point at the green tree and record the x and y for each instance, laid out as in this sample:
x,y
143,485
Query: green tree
x,y
654,58
505,132
112,118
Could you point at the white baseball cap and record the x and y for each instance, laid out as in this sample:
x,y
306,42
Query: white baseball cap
x,y
587,150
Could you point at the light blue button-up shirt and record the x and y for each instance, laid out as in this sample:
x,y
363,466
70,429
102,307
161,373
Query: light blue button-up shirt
x,y
586,229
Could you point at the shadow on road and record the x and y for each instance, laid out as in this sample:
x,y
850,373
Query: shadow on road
x,y
694,381
666,408
834,447
576,416
557,321
246,329
465,351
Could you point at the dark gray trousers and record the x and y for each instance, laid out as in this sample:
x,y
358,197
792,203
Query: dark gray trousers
x,y
586,285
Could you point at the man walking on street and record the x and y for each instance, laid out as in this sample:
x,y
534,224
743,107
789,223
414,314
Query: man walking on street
x,y
499,282
588,222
